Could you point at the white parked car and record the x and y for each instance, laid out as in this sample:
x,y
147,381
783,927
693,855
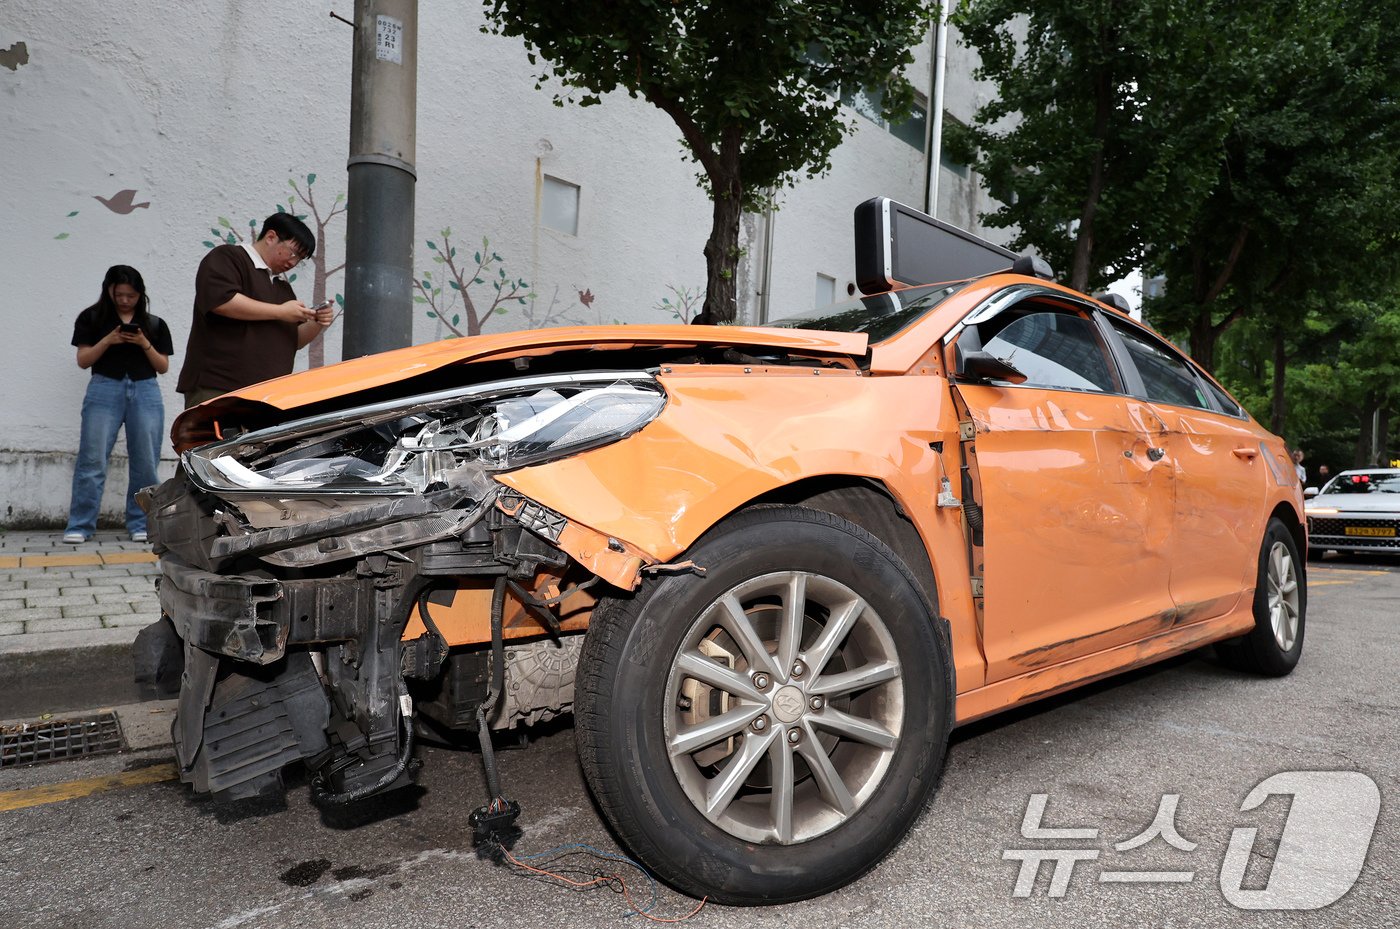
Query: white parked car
x,y
1356,511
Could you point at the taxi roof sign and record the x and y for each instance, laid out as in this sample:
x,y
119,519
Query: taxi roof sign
x,y
897,244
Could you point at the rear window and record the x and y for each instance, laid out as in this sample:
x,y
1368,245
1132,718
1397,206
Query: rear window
x,y
1364,482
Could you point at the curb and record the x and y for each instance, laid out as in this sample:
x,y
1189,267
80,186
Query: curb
x,y
88,672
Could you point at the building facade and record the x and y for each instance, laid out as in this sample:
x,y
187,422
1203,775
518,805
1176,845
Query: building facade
x,y
145,133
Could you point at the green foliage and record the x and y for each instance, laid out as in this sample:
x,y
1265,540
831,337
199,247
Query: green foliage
x,y
1252,159
751,85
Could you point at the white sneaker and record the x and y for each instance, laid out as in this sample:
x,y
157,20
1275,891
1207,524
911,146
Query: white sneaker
x,y
74,538
138,537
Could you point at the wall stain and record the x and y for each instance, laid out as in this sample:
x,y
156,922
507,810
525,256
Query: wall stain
x,y
14,56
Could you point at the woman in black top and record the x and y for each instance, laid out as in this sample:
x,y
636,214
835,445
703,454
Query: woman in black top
x,y
126,347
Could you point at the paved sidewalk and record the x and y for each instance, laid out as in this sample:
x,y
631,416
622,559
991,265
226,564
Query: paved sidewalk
x,y
68,615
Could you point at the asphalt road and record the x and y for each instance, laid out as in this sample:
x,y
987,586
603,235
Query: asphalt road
x,y
154,856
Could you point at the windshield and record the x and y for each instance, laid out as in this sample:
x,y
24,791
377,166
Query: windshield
x,y
1364,482
879,317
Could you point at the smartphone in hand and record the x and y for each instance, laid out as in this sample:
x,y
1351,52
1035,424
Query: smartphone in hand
x,y
321,306
129,328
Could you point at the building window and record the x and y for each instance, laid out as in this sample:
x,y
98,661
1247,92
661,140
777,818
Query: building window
x,y
559,206
913,129
946,159
826,291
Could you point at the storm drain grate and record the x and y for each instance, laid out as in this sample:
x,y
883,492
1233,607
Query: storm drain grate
x,y
57,739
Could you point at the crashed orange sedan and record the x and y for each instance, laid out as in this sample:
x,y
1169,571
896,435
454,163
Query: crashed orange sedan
x,y
767,570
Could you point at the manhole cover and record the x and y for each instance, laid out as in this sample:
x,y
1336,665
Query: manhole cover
x,y
56,739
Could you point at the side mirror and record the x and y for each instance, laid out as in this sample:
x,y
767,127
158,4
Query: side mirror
x,y
1309,493
981,366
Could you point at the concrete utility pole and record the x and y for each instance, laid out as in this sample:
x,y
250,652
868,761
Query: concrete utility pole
x,y
383,147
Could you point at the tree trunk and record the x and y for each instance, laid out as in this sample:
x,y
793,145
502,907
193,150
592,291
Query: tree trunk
x,y
722,248
1363,454
1084,241
1382,454
1279,404
1203,339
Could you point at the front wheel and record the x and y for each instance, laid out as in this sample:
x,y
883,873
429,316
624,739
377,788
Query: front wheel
x,y
770,730
1275,644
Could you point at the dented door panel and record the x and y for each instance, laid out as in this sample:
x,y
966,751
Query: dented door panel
x,y
1220,511
1078,522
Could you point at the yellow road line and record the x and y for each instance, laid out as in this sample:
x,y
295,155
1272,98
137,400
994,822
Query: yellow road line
x,y
71,790
1330,583
1315,570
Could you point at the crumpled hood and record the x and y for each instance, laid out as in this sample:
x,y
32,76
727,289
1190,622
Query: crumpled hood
x,y
319,384
200,424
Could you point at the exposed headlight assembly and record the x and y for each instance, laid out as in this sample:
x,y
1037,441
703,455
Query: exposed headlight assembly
x,y
422,443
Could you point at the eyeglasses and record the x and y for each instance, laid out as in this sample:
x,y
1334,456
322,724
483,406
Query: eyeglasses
x,y
292,250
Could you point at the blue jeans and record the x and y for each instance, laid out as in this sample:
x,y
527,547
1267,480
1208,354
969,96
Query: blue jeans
x,y
108,405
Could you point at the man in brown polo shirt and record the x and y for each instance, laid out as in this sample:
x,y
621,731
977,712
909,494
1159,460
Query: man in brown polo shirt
x,y
248,324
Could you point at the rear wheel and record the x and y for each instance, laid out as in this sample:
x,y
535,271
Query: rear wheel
x,y
1275,643
771,730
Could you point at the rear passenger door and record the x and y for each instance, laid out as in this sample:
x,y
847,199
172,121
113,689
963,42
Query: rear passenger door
x,y
1219,469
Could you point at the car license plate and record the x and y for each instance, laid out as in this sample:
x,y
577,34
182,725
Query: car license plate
x,y
1387,531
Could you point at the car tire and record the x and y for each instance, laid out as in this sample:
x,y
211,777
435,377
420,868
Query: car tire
x,y
743,763
1274,645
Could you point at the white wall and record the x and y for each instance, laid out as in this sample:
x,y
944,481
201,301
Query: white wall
x,y
208,108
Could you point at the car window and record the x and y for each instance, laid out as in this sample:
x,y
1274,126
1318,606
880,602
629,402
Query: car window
x,y
879,316
1364,482
1052,348
1226,402
1166,375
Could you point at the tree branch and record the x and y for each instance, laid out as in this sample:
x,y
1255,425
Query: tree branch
x,y
1231,260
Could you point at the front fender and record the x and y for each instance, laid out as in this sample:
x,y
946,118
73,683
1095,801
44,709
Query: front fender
x,y
725,439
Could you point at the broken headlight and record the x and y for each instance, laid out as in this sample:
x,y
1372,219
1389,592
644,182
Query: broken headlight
x,y
424,442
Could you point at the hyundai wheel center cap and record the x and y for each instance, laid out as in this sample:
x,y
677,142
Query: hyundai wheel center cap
x,y
788,704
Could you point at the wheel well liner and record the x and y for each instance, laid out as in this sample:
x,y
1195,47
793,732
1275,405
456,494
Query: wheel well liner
x,y
868,504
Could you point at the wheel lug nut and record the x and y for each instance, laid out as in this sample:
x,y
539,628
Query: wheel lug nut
x,y
794,736
761,681
798,669
817,703
760,724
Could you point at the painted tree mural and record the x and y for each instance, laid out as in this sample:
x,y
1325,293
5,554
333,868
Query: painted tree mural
x,y
449,294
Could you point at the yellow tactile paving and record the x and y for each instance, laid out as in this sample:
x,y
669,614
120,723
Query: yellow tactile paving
x,y
78,560
128,558
58,561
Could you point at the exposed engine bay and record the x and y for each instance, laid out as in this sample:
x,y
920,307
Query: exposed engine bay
x,y
330,583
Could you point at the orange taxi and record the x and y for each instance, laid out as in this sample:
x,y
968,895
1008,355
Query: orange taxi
x,y
768,570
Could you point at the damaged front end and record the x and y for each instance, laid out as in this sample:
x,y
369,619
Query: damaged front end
x,y
327,579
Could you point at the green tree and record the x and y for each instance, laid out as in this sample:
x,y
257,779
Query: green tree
x,y
1301,207
1108,117
751,85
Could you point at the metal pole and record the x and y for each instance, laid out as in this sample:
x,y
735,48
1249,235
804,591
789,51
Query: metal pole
x,y
935,109
383,148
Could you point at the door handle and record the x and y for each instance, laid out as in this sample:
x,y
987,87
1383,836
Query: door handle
x,y
1248,454
1156,454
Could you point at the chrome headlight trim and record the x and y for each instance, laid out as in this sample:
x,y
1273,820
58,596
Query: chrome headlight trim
x,y
515,423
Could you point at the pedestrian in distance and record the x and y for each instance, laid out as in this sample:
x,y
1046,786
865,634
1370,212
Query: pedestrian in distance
x,y
1298,466
126,347
248,323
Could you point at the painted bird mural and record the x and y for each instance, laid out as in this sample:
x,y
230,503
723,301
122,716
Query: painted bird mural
x,y
120,202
